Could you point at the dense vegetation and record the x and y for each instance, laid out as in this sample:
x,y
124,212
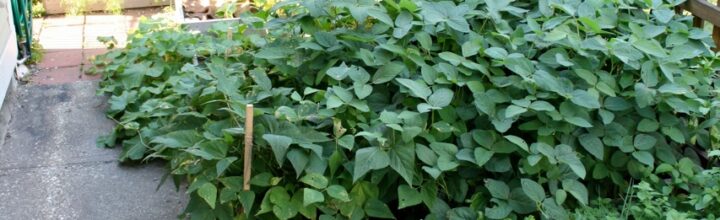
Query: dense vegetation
x,y
538,109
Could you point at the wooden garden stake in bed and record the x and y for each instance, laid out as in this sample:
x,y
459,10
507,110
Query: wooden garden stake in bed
x,y
247,157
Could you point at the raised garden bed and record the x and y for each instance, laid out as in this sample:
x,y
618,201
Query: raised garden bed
x,y
57,6
199,15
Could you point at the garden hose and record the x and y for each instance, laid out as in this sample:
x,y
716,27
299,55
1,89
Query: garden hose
x,y
22,18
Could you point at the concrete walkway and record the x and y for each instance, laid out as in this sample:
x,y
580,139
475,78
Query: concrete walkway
x,y
50,167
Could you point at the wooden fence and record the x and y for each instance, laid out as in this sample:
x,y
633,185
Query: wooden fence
x,y
704,11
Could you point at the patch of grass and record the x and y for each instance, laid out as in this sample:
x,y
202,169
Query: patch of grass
x,y
37,53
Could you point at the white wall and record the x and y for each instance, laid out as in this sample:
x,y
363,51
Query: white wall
x,y
8,48
5,29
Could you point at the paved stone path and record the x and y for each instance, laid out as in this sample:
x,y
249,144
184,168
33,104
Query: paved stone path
x,y
71,41
50,167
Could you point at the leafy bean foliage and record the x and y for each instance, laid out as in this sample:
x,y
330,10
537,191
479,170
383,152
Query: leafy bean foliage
x,y
550,109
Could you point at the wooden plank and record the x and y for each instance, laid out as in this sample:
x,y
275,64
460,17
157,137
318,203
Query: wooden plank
x,y
703,10
698,22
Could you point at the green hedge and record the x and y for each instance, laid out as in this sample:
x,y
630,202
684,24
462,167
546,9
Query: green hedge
x,y
406,109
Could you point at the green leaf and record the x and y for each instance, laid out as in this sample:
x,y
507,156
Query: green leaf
x,y
451,57
316,180
674,133
517,141
513,110
223,164
553,210
586,75
403,23
279,145
592,144
497,189
377,209
625,52
541,106
208,192
644,96
446,12
407,196
663,15
644,142
247,199
424,39
338,192
565,154
500,211
178,139
311,196
261,79
387,72
496,53
606,116
369,158
578,121
446,163
470,48
273,53
533,190
381,15
549,82
519,64
576,189
644,157
133,75
362,90
647,125
402,160
651,47
585,99
209,150
482,156
441,98
425,155
417,88
325,39
299,160
338,72
592,24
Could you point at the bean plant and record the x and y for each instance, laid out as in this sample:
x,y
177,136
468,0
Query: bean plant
x,y
478,109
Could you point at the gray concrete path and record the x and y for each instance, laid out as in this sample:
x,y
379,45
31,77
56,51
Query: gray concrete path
x,y
50,167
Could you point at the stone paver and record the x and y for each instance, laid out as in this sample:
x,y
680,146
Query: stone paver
x,y
70,42
93,31
61,37
62,20
37,26
50,167
61,58
57,75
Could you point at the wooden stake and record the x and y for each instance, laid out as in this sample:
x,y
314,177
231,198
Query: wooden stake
x,y
248,147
